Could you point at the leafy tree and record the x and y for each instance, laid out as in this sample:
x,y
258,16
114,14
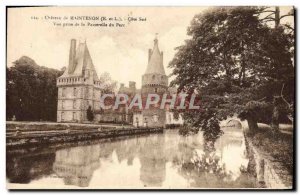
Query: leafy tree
x,y
108,85
31,91
232,58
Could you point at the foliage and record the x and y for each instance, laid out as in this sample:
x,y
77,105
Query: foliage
x,y
31,93
108,85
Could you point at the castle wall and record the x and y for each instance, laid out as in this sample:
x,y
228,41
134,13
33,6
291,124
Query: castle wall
x,y
74,100
79,88
155,79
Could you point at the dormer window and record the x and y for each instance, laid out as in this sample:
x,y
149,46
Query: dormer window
x,y
86,73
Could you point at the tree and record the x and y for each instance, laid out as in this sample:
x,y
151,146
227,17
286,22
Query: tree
x,y
274,16
90,114
280,103
108,85
231,58
31,91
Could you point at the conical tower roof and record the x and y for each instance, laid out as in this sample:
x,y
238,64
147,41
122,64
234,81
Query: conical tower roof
x,y
82,61
155,62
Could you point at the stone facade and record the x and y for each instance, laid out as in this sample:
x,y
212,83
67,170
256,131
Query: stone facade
x,y
78,87
155,81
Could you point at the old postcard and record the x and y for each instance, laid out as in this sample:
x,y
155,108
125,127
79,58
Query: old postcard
x,y
150,98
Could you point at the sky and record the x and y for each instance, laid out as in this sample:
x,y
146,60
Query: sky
x,y
120,51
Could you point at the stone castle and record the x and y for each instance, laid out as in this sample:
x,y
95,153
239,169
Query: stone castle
x,y
79,88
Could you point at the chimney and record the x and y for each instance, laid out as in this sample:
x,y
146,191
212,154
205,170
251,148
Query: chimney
x,y
149,54
72,56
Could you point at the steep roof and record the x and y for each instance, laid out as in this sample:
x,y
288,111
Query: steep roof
x,y
83,61
155,62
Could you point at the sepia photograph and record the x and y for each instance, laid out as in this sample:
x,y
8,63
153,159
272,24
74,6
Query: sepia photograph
x,y
150,98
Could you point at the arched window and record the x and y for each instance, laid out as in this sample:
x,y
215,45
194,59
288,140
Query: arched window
x,y
153,77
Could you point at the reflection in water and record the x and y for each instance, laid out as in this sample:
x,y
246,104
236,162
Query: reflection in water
x,y
157,160
153,162
76,165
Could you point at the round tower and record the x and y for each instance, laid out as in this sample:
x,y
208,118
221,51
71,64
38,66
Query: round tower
x,y
155,80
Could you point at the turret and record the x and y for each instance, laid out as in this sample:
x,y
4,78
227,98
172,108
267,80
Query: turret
x,y
72,57
154,79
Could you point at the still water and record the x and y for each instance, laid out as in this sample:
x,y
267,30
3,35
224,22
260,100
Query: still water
x,y
166,160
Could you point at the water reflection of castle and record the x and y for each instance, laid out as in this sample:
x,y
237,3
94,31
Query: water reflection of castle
x,y
76,165
148,156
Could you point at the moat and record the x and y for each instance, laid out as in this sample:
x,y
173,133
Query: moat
x,y
163,160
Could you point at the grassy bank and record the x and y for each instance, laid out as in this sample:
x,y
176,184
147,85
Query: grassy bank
x,y
278,146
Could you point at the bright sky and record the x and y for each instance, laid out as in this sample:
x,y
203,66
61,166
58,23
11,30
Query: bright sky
x,y
122,52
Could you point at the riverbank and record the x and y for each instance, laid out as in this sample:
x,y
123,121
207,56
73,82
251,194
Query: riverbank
x,y
273,157
36,133
24,126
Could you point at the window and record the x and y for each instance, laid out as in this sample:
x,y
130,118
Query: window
x,y
62,116
155,90
74,92
62,104
74,116
153,77
74,104
63,92
87,92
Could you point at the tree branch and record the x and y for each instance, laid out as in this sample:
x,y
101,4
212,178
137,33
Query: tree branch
x,y
261,99
288,26
281,95
286,16
269,15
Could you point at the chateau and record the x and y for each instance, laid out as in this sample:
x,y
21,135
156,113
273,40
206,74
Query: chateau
x,y
79,88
